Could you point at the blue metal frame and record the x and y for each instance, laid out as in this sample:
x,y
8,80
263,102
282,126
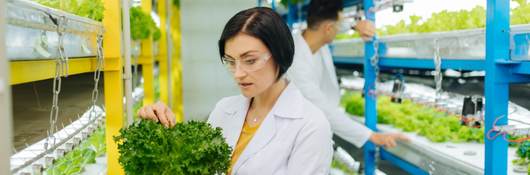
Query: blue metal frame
x,y
496,91
370,100
417,63
408,167
292,14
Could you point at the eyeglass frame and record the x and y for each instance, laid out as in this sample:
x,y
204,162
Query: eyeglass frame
x,y
263,57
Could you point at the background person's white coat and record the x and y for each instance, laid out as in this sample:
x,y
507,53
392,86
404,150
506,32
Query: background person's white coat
x,y
314,75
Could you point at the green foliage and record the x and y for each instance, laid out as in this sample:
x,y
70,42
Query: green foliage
x,y
92,9
176,3
146,147
157,34
411,117
341,166
142,25
285,3
86,153
449,21
523,154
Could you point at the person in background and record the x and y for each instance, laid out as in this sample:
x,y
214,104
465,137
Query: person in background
x,y
271,127
313,71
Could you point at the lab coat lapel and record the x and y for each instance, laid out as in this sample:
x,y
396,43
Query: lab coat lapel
x,y
262,137
325,55
235,117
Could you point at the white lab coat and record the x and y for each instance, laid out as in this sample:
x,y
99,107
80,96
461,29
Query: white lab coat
x,y
294,138
314,75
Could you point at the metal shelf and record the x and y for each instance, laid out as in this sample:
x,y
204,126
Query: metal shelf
x,y
417,63
424,156
32,32
453,45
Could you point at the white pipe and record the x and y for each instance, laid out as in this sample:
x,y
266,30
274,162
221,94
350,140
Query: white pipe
x,y
127,49
5,97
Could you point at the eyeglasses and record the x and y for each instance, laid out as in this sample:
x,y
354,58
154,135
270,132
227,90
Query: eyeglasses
x,y
249,63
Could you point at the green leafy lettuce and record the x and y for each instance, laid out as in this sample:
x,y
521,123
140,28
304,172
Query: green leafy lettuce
x,y
146,147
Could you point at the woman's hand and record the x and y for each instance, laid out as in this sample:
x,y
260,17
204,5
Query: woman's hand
x,y
158,112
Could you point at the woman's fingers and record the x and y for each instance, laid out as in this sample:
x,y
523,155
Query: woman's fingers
x,y
171,116
150,113
160,112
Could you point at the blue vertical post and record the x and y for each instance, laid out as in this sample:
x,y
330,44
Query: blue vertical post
x,y
291,16
496,88
370,107
259,3
273,5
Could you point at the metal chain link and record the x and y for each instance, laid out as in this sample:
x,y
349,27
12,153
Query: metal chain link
x,y
374,61
438,74
62,53
59,71
97,75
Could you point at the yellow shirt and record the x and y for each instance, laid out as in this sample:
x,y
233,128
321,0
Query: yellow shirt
x,y
246,135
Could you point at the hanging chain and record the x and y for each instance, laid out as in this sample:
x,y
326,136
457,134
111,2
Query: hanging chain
x,y
62,53
97,75
438,74
59,72
374,61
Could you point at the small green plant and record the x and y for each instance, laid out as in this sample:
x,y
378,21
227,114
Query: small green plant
x,y
437,126
142,25
449,21
86,153
146,147
92,9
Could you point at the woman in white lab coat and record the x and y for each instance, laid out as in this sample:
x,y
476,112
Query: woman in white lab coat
x,y
271,127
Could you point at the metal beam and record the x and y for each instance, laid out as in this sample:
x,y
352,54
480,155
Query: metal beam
x,y
113,85
370,100
127,49
163,51
148,61
496,91
417,63
5,98
176,69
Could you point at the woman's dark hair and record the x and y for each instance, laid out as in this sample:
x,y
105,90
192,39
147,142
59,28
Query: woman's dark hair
x,y
266,25
322,10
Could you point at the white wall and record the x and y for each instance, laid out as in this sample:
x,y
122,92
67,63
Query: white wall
x,y
205,81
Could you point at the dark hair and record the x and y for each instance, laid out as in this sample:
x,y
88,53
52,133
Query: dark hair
x,y
322,10
266,25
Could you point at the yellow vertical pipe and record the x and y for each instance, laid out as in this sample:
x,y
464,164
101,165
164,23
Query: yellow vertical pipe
x,y
176,70
113,82
163,67
147,62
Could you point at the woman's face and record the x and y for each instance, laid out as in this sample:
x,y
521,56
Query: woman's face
x,y
251,64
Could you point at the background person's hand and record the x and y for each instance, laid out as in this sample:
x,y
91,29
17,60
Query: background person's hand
x,y
388,140
365,28
158,112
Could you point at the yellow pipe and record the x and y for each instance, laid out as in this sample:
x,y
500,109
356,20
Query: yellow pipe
x,y
163,60
176,70
113,85
35,70
146,60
